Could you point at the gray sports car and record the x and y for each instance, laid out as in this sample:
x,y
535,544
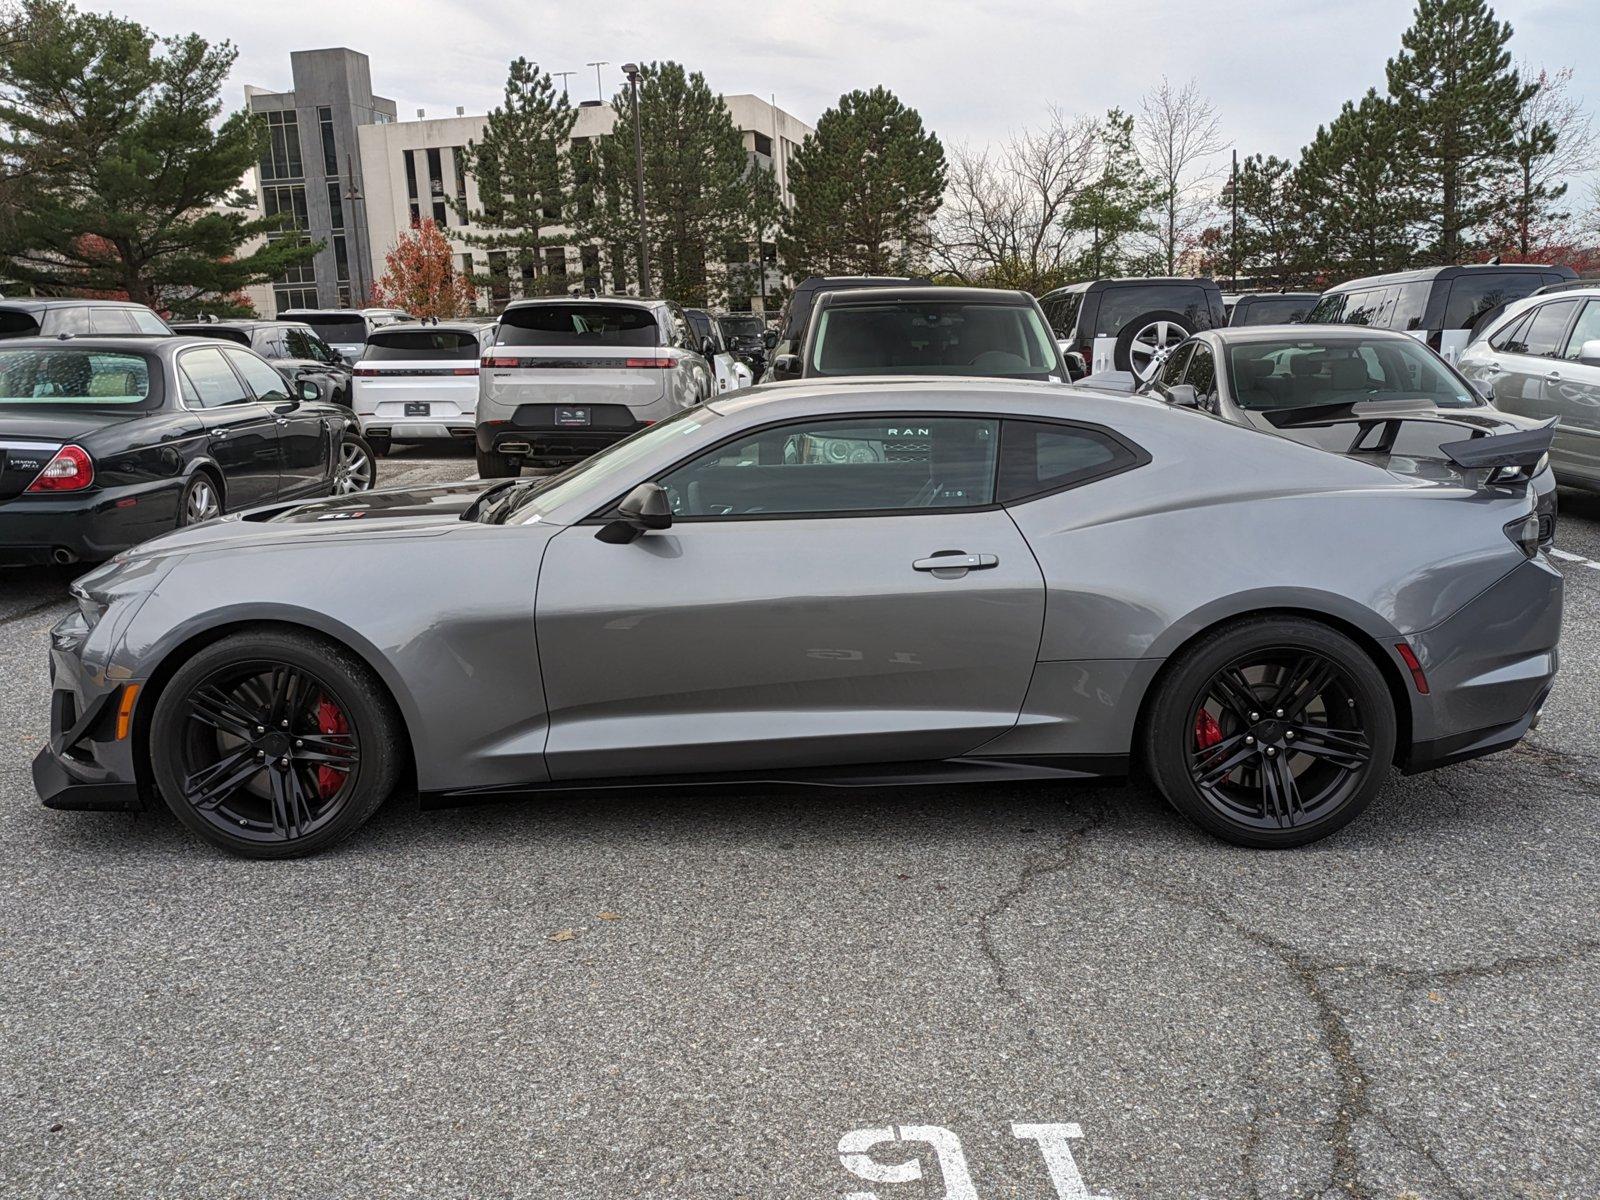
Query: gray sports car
x,y
831,583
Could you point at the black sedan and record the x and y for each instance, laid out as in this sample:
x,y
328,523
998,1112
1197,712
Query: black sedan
x,y
105,442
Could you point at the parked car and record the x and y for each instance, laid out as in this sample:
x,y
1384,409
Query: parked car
x,y
796,316
38,317
346,329
111,441
729,373
296,350
1541,359
908,330
1370,393
1129,324
996,581
746,335
419,382
1269,308
1447,307
568,377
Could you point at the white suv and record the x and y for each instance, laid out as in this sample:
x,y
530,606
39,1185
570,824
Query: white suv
x,y
568,377
419,382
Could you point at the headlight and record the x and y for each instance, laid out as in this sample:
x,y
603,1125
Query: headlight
x,y
92,605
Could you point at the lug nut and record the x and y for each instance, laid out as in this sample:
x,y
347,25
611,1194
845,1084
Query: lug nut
x,y
1249,741
1271,751
285,724
283,762
1288,735
1279,713
261,728
261,753
1255,716
298,743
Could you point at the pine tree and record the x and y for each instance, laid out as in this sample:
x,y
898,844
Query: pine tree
x,y
866,187
120,179
1355,193
1118,204
1457,98
524,182
1271,246
420,276
605,220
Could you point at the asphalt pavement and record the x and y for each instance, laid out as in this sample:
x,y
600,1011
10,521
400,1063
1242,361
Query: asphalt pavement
x,y
1000,992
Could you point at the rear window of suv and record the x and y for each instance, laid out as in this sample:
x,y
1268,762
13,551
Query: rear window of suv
x,y
336,327
579,325
1119,305
943,337
421,343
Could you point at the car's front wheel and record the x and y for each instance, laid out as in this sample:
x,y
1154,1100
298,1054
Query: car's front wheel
x,y
274,744
1271,732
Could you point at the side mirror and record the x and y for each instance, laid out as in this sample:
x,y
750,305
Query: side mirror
x,y
1589,353
1182,395
1485,389
708,348
769,339
786,366
644,508
308,390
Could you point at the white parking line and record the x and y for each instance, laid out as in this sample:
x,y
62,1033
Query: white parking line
x,y
1567,556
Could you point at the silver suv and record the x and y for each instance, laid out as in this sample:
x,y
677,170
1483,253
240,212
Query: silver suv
x,y
1541,358
567,377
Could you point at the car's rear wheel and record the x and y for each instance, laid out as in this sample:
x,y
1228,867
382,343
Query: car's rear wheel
x,y
494,465
274,744
357,468
1144,343
1271,732
201,499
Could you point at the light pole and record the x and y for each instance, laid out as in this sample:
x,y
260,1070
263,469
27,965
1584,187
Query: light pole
x,y
631,70
358,298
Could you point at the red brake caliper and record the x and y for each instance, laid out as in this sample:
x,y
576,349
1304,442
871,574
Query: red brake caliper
x,y
1207,733
330,719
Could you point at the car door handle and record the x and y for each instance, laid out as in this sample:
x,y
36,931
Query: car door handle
x,y
219,433
1553,375
956,562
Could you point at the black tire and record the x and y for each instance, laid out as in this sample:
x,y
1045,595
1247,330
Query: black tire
x,y
380,446
348,479
245,819
191,502
1122,356
494,465
1335,748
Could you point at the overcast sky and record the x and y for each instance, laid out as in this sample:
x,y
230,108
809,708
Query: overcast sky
x,y
975,70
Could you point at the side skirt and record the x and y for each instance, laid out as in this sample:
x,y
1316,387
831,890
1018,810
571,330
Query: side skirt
x,y
1058,767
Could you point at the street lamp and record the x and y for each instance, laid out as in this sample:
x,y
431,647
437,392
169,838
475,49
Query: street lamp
x,y
631,70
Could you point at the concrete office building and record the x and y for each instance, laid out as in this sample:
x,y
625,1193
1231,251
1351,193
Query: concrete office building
x,y
313,166
413,169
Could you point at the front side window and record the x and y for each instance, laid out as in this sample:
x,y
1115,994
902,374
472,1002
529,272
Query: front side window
x,y
263,378
1172,370
1286,374
52,378
1586,330
1365,307
842,466
209,381
1202,372
943,337
110,320
1547,332
579,325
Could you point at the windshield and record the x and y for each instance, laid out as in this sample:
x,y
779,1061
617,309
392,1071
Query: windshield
x,y
612,467
420,344
579,325
743,327
52,378
942,337
337,328
1301,373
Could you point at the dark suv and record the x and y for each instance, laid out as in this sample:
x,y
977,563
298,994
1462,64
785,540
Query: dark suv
x,y
1269,308
925,331
796,318
1129,324
295,350
1447,307
39,317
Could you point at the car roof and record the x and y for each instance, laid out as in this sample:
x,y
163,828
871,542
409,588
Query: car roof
x,y
814,283
888,295
337,312
107,342
232,323
537,301
1275,296
1302,333
457,326
1120,280
1440,274
45,303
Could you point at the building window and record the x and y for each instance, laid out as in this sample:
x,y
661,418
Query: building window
x,y
341,259
458,156
589,257
499,279
763,143
286,297
335,205
286,198
436,185
466,266
282,159
411,187
330,155
301,272
555,260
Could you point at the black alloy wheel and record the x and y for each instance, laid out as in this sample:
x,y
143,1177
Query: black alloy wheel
x,y
273,744
1275,733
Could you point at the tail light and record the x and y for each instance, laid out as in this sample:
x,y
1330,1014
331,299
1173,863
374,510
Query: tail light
x,y
465,371
71,470
366,372
502,362
657,364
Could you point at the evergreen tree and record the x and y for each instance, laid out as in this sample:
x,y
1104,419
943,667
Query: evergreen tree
x,y
605,221
524,182
866,187
119,177
1457,98
1355,195
1117,205
1271,244
420,276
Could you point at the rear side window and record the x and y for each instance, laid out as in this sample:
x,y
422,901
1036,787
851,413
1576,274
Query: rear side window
x,y
67,320
1473,295
110,320
421,344
579,325
1062,312
16,323
1038,457
1410,305
1120,305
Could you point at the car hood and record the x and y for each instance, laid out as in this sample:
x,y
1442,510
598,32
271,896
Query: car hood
x,y
392,512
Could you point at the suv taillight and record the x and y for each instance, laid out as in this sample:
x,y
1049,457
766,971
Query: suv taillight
x,y
502,362
71,470
658,364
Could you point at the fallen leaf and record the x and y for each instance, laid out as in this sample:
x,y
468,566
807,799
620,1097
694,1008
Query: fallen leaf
x,y
609,916
1435,998
563,935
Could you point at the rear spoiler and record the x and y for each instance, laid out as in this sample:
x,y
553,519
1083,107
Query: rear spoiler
x,y
1519,450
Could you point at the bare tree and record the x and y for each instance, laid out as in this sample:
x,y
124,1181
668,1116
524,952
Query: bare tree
x,y
1555,142
1002,219
1178,136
